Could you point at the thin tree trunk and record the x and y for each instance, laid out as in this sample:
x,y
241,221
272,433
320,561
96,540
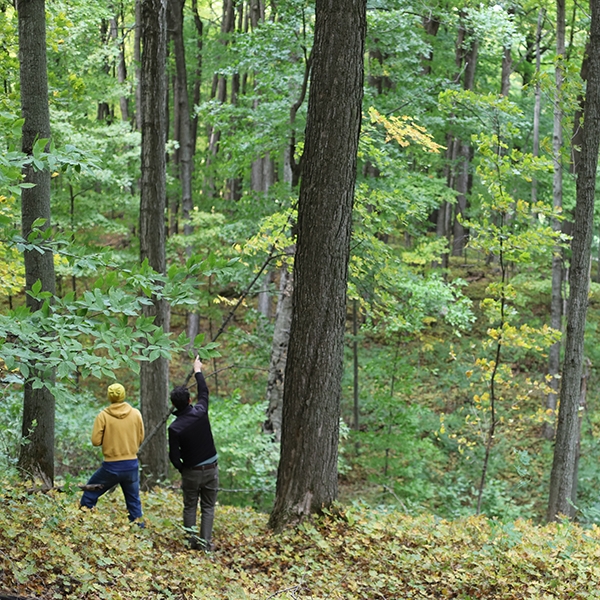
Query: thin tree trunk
x,y
507,64
537,106
184,158
460,233
121,67
104,109
264,302
36,458
431,25
219,90
557,193
307,474
577,117
198,77
490,434
262,178
279,350
564,464
137,59
582,406
154,380
355,364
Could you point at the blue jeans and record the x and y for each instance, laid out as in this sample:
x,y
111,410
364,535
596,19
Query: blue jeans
x,y
130,484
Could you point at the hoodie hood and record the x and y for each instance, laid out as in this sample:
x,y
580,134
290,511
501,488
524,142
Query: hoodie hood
x,y
118,410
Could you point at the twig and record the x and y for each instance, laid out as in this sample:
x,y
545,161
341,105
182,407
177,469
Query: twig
x,y
292,589
391,491
243,491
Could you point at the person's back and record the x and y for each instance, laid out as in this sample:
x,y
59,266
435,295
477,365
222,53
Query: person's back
x,y
119,429
193,433
192,452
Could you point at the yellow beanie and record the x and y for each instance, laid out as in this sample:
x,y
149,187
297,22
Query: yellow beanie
x,y
116,392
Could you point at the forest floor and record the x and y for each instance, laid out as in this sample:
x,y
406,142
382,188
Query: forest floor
x,y
51,549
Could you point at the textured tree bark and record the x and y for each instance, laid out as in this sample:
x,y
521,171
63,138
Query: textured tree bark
x,y
565,451
279,350
36,459
154,376
307,475
577,129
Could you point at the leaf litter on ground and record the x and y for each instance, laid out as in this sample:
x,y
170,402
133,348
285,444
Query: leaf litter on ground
x,y
49,548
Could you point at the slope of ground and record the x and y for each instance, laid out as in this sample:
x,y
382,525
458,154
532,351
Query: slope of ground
x,y
51,549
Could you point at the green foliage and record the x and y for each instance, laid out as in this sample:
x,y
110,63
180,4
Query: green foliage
x,y
247,457
75,413
101,331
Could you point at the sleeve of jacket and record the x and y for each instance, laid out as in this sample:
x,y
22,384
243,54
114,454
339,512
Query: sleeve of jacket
x,y
202,392
98,430
141,432
174,452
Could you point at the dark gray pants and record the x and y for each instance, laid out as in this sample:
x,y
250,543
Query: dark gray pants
x,y
203,486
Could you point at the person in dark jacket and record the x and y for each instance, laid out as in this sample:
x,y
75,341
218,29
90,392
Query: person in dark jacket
x,y
192,452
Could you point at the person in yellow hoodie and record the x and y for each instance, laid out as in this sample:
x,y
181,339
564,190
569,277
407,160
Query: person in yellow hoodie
x,y
119,429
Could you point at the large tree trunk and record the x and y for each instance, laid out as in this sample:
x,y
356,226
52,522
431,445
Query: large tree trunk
x,y
565,450
557,193
154,376
36,459
307,475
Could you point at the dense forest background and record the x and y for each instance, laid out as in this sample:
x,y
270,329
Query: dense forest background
x,y
460,254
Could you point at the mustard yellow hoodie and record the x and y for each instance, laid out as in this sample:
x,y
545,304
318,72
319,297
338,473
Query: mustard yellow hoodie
x,y
119,429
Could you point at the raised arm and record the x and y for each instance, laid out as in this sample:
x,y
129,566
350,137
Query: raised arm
x,y
201,383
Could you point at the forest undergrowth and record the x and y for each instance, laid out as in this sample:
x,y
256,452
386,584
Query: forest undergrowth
x,y
51,549
405,526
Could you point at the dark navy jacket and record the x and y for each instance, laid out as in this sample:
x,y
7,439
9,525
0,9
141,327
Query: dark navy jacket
x,y
190,437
